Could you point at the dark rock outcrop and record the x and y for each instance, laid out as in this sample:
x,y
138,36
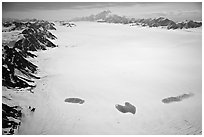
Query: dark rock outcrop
x,y
7,24
10,118
11,60
17,71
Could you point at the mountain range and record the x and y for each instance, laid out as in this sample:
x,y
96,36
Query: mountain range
x,y
107,16
17,71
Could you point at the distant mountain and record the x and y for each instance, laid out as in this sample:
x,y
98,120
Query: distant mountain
x,y
107,16
102,15
66,23
167,23
22,24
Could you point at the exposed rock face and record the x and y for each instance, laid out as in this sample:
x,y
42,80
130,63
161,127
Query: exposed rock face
x,y
10,118
17,71
34,40
11,60
7,24
154,22
186,25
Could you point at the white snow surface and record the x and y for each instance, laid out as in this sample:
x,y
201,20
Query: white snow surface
x,y
108,64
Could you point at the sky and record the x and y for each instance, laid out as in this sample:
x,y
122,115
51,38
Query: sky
x,y
177,11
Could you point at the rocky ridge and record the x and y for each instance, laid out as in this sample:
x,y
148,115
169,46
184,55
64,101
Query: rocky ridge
x,y
17,71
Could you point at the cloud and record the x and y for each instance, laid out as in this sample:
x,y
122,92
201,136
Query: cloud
x,y
27,6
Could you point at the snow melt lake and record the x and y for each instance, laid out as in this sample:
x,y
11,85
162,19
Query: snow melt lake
x,y
108,64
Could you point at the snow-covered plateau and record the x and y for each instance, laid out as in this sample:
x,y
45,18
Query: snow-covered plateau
x,y
107,64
